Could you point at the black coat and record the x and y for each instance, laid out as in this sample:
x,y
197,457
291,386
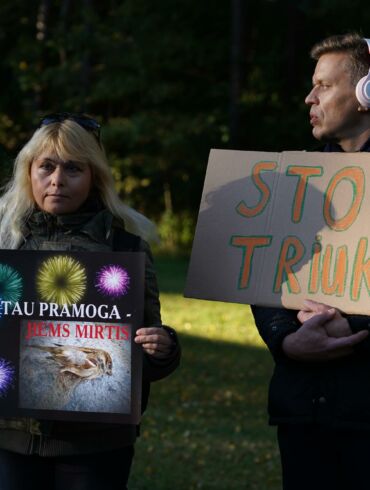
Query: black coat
x,y
336,392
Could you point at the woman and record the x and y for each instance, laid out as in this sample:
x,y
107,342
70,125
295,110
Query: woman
x,y
62,197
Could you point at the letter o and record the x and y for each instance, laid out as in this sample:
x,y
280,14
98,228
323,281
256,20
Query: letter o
x,y
88,312
356,176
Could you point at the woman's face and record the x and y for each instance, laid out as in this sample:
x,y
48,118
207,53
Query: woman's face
x,y
59,187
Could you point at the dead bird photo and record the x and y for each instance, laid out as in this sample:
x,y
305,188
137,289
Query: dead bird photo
x,y
75,367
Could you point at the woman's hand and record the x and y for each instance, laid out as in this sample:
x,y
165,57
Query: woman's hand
x,y
155,341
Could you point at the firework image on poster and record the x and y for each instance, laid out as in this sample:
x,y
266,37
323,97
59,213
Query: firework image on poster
x,y
67,327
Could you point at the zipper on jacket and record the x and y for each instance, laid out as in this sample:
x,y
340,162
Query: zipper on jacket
x,y
51,227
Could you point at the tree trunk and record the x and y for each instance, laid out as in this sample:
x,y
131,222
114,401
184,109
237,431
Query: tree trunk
x,y
86,57
42,24
236,69
293,43
64,10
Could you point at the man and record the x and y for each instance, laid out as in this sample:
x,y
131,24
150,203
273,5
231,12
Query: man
x,y
320,390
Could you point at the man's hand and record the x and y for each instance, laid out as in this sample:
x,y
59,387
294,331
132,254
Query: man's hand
x,y
311,341
337,327
155,341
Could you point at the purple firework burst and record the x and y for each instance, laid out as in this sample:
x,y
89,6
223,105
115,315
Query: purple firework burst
x,y
6,376
113,280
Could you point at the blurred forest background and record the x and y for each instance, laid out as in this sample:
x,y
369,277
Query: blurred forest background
x,y
168,80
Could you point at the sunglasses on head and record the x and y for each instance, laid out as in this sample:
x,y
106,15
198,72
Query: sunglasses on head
x,y
81,119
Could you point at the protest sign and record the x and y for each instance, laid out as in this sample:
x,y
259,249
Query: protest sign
x,y
67,325
276,228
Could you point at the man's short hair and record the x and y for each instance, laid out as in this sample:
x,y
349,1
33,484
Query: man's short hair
x,y
352,44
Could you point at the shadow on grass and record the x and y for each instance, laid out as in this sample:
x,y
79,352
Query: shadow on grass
x,y
206,426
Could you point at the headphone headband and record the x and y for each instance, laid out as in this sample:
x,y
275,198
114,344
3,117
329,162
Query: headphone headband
x,y
368,43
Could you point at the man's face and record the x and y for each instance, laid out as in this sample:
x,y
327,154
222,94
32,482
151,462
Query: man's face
x,y
334,112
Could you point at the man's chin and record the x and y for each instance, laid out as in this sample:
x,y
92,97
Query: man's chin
x,y
320,135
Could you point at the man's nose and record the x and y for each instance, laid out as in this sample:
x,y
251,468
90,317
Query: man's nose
x,y
311,97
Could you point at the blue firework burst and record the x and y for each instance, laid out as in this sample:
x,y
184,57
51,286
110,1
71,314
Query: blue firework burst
x,y
7,372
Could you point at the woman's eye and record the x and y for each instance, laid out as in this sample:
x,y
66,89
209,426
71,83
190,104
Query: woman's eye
x,y
72,168
48,167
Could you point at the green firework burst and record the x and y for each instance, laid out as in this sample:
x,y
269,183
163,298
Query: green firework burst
x,y
61,280
11,284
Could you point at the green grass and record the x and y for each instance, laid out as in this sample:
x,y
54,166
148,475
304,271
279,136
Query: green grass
x,y
206,426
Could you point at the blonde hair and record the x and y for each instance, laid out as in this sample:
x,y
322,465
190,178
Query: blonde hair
x,y
68,141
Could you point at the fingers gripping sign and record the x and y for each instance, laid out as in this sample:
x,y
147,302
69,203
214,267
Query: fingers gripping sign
x,y
311,341
155,341
338,326
310,309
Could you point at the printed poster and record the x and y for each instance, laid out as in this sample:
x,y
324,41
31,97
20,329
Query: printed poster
x,y
67,327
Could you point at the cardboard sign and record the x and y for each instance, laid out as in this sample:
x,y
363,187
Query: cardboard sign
x,y
67,324
276,228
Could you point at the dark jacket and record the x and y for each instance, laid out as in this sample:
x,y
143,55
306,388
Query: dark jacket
x,y
335,392
87,231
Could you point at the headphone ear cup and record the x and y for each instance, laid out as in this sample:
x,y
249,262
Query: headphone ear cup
x,y
363,91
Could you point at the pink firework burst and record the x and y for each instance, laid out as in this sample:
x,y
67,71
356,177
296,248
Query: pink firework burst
x,y
112,280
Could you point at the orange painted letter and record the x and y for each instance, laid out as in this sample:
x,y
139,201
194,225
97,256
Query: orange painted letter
x,y
285,263
361,270
356,176
304,173
338,283
248,244
242,208
313,285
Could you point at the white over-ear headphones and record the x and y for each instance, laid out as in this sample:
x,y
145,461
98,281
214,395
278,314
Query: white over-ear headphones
x,y
363,87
